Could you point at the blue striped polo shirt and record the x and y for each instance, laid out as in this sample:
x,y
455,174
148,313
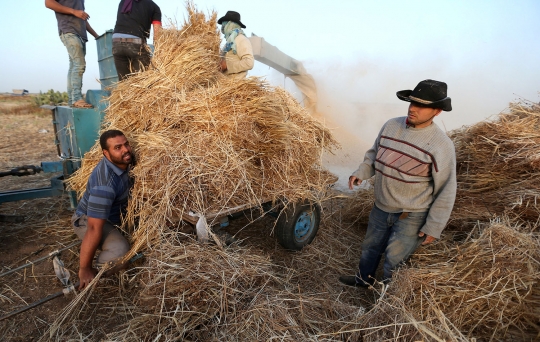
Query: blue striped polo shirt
x,y
107,193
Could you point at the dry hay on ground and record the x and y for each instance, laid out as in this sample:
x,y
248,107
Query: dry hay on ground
x,y
486,288
358,205
27,139
18,105
246,292
207,143
499,166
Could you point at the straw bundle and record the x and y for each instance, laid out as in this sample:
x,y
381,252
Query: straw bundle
x,y
206,143
208,294
487,288
499,166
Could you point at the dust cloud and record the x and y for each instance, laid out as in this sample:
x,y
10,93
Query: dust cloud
x,y
357,95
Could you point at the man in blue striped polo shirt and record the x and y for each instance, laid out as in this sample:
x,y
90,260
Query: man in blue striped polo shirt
x,y
102,206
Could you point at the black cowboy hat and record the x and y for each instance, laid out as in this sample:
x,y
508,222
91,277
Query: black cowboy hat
x,y
231,16
430,93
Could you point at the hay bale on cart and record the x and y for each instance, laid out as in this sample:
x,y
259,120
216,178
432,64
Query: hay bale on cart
x,y
208,146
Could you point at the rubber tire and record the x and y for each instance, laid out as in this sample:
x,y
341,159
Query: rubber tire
x,y
285,227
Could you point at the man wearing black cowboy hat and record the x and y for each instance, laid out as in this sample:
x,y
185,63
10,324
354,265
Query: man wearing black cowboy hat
x,y
414,165
237,53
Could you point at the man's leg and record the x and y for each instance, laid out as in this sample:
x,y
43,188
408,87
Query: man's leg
x,y
77,51
130,58
113,244
377,235
69,87
121,60
403,241
141,57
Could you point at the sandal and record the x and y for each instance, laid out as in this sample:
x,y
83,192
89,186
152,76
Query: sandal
x,y
81,104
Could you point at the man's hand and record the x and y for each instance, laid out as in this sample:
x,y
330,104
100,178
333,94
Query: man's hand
x,y
354,181
85,276
81,14
223,65
429,239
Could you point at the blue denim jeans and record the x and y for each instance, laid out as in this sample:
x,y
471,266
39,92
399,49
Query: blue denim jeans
x,y
76,49
396,237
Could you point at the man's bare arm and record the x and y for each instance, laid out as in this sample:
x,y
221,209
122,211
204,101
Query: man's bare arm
x,y
55,6
91,30
157,30
89,245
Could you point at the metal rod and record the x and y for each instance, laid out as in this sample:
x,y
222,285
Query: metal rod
x,y
53,253
57,294
36,303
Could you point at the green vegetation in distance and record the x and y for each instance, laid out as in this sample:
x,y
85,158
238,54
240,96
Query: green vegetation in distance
x,y
51,97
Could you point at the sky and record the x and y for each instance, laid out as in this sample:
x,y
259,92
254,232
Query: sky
x,y
359,52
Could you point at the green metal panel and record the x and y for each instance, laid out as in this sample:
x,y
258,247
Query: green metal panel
x,y
87,124
52,167
98,99
77,130
56,189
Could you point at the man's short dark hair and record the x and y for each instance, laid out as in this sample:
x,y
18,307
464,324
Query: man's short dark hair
x,y
112,133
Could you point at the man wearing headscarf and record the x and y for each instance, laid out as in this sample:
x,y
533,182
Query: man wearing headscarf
x,y
237,53
131,31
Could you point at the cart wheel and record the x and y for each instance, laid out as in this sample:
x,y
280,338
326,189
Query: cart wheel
x,y
297,225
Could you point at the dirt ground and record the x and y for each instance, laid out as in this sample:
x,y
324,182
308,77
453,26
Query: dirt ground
x,y
29,139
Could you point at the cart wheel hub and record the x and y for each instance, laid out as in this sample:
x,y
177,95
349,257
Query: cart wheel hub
x,y
303,225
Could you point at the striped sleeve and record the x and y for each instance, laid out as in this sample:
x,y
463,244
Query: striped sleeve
x,y
100,201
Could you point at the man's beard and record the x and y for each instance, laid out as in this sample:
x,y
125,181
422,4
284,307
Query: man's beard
x,y
121,160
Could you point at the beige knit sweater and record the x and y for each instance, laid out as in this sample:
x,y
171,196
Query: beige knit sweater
x,y
239,64
415,171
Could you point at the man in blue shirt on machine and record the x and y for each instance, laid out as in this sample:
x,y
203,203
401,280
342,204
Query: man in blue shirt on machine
x,y
99,213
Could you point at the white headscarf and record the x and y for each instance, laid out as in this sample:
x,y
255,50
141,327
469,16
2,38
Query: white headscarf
x,y
230,30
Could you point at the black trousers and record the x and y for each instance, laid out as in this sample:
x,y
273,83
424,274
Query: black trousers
x,y
129,58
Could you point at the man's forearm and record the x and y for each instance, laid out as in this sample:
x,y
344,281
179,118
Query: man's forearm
x,y
91,30
157,30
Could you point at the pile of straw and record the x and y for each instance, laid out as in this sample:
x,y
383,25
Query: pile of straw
x,y
204,294
249,291
486,288
206,143
499,166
